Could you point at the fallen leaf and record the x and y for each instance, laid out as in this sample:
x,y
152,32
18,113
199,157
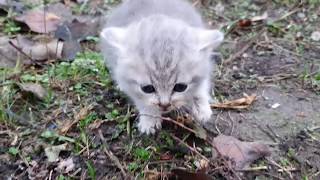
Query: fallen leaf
x,y
186,175
152,175
244,23
52,152
66,165
75,32
70,49
41,49
96,124
199,131
241,103
35,89
166,156
46,20
40,22
241,153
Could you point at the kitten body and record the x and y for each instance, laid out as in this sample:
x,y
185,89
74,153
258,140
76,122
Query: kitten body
x,y
158,52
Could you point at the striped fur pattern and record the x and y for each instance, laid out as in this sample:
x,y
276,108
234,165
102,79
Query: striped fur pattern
x,y
160,43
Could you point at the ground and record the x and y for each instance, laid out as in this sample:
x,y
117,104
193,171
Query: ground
x,y
65,119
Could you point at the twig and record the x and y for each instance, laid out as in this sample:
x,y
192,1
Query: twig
x,y
242,50
191,148
232,122
111,155
216,123
270,135
25,54
282,168
253,169
179,124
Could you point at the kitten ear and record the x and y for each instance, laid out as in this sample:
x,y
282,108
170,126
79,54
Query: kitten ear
x,y
114,36
209,39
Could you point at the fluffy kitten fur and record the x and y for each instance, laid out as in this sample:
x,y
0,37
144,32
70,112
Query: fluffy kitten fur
x,y
160,43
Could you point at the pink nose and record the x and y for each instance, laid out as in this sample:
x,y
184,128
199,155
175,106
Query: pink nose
x,y
165,106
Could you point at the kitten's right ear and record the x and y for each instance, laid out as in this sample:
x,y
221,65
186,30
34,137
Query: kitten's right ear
x,y
114,36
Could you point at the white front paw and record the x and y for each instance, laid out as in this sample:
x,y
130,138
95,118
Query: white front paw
x,y
203,114
148,125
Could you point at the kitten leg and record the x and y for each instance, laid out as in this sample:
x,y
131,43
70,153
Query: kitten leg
x,y
201,107
149,121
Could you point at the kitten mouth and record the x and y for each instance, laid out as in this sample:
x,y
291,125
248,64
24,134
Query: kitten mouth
x,y
166,110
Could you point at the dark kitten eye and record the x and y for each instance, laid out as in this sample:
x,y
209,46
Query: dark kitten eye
x,y
180,87
148,89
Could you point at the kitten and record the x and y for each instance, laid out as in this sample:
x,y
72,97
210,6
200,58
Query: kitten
x,y
158,52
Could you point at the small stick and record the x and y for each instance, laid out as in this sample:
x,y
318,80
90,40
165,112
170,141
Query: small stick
x,y
253,169
25,54
241,51
191,148
179,124
279,166
111,155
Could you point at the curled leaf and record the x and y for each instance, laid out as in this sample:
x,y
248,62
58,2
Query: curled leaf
x,y
241,103
241,153
35,89
52,152
39,49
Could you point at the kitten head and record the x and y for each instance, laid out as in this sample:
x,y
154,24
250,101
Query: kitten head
x,y
161,62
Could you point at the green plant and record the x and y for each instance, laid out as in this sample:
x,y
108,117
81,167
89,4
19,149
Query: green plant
x,y
91,170
13,151
88,120
53,137
11,28
141,154
132,167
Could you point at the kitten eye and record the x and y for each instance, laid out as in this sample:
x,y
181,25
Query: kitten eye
x,y
180,87
148,89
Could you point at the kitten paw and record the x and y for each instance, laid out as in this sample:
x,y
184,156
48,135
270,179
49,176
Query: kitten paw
x,y
203,114
149,125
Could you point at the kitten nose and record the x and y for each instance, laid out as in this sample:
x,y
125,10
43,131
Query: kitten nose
x,y
165,106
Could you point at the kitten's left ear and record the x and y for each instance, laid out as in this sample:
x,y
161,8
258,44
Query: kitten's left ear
x,y
114,36
209,39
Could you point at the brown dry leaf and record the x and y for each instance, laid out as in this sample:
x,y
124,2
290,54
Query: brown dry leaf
x,y
244,23
241,103
96,124
48,20
151,175
66,165
241,153
186,175
35,89
39,49
39,21
74,32
77,117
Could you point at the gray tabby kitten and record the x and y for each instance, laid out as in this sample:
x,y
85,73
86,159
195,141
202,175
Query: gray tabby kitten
x,y
159,54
